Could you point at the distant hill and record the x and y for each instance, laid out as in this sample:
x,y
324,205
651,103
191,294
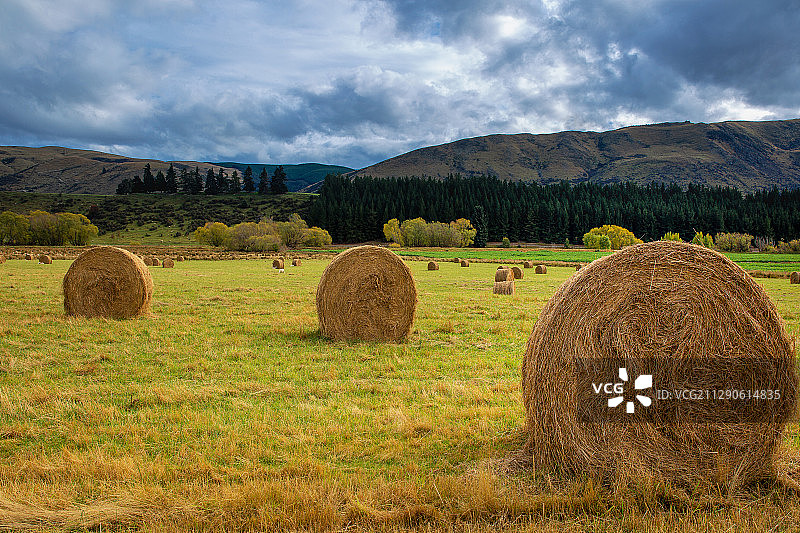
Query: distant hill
x,y
300,177
53,169
746,155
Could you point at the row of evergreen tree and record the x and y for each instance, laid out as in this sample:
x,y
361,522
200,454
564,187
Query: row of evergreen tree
x,y
355,210
191,182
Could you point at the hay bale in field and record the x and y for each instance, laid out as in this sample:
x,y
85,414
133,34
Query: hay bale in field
x,y
689,318
107,282
578,267
156,261
504,287
433,265
456,260
180,258
528,264
464,263
504,274
518,274
277,263
366,293
2,259
296,262
501,267
28,257
168,263
147,260
45,259
541,269
794,277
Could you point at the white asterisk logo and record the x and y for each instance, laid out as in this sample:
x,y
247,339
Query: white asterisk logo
x,y
645,381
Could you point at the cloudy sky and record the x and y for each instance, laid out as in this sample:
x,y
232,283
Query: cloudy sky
x,y
353,82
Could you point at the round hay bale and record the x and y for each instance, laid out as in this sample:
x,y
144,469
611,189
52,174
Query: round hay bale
x,y
156,261
168,263
148,261
296,262
541,269
505,274
688,318
433,265
456,260
45,259
107,282
277,263
366,293
794,277
180,258
28,257
528,264
503,287
464,263
518,274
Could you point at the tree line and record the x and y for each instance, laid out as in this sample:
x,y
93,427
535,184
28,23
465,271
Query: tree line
x,y
354,210
188,181
45,229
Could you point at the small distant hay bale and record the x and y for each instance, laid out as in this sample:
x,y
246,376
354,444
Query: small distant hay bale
x,y
28,257
433,265
277,263
541,269
504,274
147,260
156,261
578,267
501,267
366,293
794,277
296,262
464,263
661,309
518,274
2,259
504,287
456,260
107,282
45,259
180,258
168,263
528,264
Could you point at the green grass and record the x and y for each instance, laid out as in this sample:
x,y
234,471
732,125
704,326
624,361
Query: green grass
x,y
225,410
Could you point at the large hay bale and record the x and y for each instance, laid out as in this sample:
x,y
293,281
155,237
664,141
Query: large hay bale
x,y
366,293
108,282
277,263
464,263
692,320
504,287
541,269
433,265
794,277
296,262
45,259
518,274
504,274
168,263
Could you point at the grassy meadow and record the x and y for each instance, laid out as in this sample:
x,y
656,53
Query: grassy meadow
x,y
224,410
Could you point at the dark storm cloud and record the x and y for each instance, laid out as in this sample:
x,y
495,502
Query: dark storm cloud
x,y
356,81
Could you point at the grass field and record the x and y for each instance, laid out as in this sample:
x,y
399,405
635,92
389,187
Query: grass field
x,y
224,410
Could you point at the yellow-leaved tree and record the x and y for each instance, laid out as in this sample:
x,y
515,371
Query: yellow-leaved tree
x,y
618,237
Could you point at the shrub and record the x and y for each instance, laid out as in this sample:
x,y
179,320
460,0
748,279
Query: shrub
x,y
672,236
418,232
791,247
703,240
213,233
733,242
264,236
618,237
506,243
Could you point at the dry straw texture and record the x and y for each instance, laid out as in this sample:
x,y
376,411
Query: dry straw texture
x,y
504,287
518,274
528,264
108,282
501,267
464,263
578,267
168,263
156,261
148,261
45,259
366,293
794,277
504,274
277,263
180,258
433,265
296,262
676,303
541,269
456,260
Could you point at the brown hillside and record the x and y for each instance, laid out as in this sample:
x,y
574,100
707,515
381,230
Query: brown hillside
x,y
746,155
66,170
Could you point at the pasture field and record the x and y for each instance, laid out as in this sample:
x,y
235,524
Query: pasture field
x,y
224,410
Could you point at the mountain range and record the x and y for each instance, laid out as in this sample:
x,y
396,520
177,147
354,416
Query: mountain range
x,y
749,156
